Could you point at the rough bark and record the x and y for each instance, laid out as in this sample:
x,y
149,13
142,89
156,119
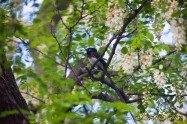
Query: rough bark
x,y
10,96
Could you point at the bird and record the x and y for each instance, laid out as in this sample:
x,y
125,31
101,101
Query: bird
x,y
93,55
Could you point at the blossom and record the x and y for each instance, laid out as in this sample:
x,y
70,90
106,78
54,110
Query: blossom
x,y
160,66
154,3
146,59
115,16
129,62
179,33
125,61
146,97
172,7
159,78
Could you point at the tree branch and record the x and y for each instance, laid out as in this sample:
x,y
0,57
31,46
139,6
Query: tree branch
x,y
105,97
157,94
157,61
184,114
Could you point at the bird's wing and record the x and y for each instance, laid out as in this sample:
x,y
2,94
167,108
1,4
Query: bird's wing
x,y
96,55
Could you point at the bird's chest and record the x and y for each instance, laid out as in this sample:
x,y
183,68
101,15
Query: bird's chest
x,y
92,60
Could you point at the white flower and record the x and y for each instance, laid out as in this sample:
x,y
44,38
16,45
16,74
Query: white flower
x,y
146,59
154,3
115,16
178,33
172,7
127,62
160,66
159,78
181,20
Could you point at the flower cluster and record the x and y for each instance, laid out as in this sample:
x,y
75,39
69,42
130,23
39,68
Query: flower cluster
x,y
172,7
127,62
115,16
146,58
159,77
163,116
154,3
179,33
147,97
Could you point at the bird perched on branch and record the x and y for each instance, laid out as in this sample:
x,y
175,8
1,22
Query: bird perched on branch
x,y
93,55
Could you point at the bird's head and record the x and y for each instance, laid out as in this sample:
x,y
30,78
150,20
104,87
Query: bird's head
x,y
90,50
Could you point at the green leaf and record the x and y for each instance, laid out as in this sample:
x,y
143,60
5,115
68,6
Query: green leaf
x,y
176,14
150,36
8,113
164,46
8,64
136,43
91,41
34,43
36,20
124,50
24,86
36,5
184,11
151,104
177,60
121,106
78,37
122,42
121,3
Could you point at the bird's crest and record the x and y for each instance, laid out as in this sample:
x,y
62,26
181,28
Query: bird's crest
x,y
90,49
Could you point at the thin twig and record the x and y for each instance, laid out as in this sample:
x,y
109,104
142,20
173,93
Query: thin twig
x,y
69,44
48,57
69,48
70,36
105,97
62,19
163,58
81,15
123,36
157,94
33,96
58,43
184,114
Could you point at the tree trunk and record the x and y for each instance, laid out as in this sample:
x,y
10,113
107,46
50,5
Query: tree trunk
x,y
12,103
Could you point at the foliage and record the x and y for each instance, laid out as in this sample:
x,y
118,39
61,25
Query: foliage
x,y
127,34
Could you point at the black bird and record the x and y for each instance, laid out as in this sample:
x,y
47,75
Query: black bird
x,y
93,55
